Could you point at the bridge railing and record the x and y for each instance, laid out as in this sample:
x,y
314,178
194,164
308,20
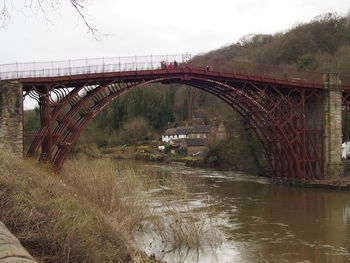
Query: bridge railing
x,y
87,66
134,63
267,71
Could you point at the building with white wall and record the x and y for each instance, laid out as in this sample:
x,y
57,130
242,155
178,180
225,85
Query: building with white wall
x,y
197,131
176,133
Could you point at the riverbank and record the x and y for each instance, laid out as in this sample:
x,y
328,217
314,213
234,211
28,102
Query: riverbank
x,y
198,162
132,153
342,184
151,155
73,217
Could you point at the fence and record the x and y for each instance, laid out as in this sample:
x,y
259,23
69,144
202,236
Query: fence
x,y
86,66
152,62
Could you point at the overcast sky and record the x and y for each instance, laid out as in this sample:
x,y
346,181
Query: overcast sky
x,y
140,27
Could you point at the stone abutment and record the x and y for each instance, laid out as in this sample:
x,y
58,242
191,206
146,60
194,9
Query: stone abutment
x,y
332,127
11,117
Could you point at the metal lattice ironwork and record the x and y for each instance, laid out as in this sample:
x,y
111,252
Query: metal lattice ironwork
x,y
281,113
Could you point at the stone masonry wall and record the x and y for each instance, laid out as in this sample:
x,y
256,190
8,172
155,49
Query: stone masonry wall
x,y
333,126
11,117
11,250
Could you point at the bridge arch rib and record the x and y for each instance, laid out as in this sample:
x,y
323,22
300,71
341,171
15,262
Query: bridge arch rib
x,y
276,115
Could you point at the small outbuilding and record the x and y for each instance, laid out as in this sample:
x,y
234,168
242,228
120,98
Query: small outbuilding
x,y
195,145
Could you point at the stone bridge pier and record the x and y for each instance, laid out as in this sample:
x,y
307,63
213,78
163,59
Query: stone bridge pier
x,y
11,117
332,127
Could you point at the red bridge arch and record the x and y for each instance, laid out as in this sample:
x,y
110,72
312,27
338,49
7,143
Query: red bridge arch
x,y
286,115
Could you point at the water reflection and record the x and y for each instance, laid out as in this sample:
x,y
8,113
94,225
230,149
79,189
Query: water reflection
x,y
260,222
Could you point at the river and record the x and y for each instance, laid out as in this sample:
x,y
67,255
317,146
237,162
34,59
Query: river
x,y
257,221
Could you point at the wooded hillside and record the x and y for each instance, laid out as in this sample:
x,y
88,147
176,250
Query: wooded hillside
x,y
143,114
322,44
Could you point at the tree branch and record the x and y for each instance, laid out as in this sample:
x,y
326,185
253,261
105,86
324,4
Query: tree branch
x,y
78,6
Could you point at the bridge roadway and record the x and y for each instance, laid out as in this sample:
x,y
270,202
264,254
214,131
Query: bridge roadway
x,y
65,71
183,73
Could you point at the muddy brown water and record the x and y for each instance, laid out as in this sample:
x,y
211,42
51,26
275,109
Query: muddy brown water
x,y
258,221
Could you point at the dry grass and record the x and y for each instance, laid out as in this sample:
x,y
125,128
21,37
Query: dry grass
x,y
68,219
90,212
179,226
118,187
184,229
114,188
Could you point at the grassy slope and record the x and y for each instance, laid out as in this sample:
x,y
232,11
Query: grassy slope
x,y
54,222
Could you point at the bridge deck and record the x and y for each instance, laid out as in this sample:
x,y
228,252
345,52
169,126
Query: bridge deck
x,y
181,73
136,67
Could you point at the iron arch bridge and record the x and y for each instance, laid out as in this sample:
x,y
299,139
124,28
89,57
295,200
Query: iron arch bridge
x,y
285,113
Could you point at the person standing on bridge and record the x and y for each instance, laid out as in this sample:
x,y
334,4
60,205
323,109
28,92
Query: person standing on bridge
x,y
170,66
163,65
175,64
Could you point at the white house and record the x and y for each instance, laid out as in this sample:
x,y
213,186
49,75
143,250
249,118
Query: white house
x,y
193,132
345,150
176,133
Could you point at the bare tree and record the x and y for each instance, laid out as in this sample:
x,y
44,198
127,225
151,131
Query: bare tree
x,y
79,6
7,7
